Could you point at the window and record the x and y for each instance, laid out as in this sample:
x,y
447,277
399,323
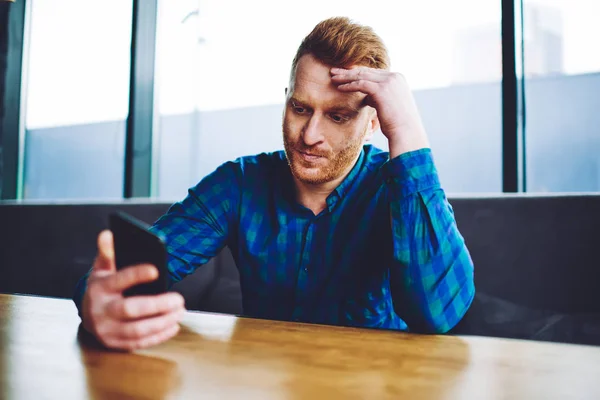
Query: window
x,y
222,68
562,95
77,98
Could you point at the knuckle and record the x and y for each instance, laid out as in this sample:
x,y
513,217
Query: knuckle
x,y
149,307
103,332
174,320
107,342
112,308
94,321
137,273
126,273
124,276
127,309
95,307
96,315
134,272
96,292
144,342
135,331
94,289
132,345
176,300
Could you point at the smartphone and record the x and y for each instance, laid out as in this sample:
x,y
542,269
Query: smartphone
x,y
135,244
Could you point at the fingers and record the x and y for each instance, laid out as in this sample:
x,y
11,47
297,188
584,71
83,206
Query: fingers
x,y
149,326
105,259
156,338
364,86
147,341
340,75
137,307
360,79
131,276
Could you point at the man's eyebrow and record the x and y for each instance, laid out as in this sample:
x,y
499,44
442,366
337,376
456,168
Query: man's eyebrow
x,y
339,107
346,108
298,102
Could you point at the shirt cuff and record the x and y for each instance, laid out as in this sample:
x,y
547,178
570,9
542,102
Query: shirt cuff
x,y
410,173
79,292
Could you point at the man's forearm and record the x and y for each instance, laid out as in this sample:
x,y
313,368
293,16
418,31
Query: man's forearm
x,y
432,276
434,271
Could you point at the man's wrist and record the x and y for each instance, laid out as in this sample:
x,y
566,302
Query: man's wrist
x,y
406,141
409,173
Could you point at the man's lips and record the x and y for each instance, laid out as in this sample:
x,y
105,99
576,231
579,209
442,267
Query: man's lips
x,y
309,156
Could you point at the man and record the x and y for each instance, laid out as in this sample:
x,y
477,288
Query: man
x,y
330,231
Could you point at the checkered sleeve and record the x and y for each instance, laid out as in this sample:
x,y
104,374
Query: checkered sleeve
x,y
432,276
198,227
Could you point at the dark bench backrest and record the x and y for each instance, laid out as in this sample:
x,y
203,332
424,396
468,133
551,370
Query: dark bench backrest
x,y
535,257
540,252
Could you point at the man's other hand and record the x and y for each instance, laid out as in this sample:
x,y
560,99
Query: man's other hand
x,y
127,323
389,93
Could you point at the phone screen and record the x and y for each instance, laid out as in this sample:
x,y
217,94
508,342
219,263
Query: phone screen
x,y
135,244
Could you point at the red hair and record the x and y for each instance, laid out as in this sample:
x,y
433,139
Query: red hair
x,y
340,42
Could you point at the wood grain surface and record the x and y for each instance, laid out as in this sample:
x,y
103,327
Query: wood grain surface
x,y
221,356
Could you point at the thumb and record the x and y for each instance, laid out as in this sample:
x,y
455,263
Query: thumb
x,y
105,259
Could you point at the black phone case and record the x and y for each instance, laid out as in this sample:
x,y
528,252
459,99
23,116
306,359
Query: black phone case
x,y
135,244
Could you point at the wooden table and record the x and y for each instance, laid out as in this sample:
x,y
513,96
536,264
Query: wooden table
x,y
220,356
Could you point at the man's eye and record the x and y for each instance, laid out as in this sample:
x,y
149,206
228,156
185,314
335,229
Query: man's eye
x,y
338,118
297,109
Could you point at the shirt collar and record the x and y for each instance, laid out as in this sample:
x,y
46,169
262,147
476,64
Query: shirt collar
x,y
344,187
285,185
288,190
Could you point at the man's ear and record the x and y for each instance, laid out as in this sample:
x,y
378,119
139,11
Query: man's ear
x,y
373,125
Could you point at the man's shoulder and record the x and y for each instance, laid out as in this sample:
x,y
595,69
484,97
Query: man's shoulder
x,y
374,156
261,165
260,161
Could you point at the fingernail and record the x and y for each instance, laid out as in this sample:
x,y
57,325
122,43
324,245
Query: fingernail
x,y
153,271
176,301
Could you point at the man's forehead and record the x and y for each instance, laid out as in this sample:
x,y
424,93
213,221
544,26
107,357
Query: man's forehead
x,y
312,70
313,78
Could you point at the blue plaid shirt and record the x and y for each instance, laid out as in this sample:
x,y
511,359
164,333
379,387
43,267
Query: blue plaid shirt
x,y
385,252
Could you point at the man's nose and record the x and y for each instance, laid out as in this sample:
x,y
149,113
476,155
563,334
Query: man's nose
x,y
313,130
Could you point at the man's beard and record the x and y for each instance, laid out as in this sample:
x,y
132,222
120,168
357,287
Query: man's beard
x,y
336,163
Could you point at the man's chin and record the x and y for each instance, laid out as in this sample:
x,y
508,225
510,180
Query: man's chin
x,y
313,176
